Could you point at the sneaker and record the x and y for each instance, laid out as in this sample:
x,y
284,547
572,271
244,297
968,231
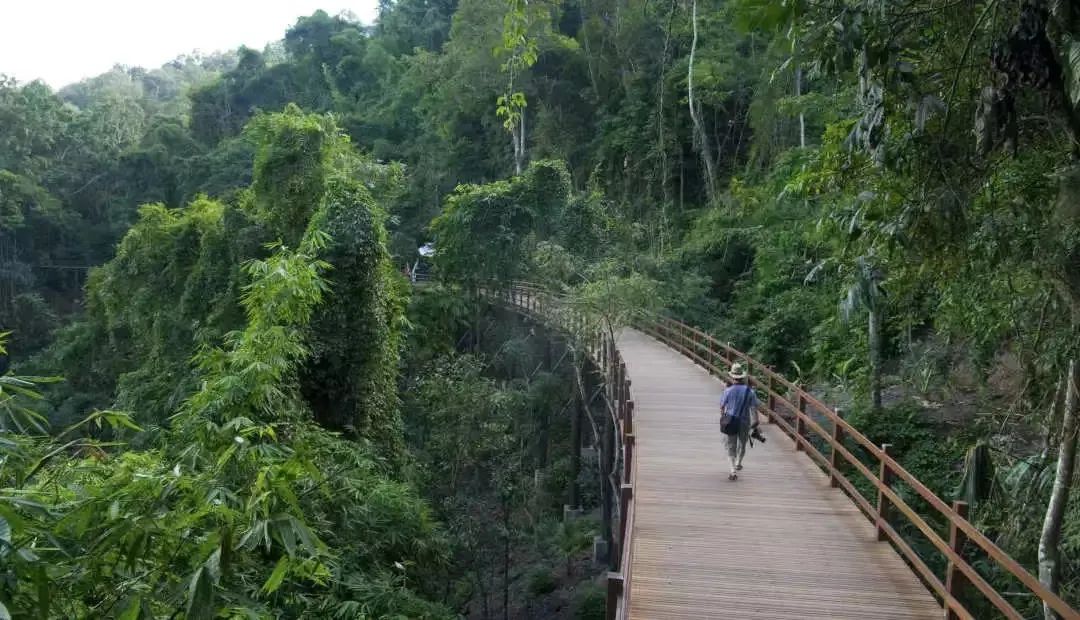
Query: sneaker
x,y
733,476
738,468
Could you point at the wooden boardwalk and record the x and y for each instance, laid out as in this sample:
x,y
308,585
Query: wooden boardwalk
x,y
777,543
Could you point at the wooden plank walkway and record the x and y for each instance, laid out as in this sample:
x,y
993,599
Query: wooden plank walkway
x,y
777,543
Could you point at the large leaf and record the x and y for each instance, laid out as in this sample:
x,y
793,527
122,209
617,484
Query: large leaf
x,y
133,610
1073,53
277,577
5,536
201,595
980,478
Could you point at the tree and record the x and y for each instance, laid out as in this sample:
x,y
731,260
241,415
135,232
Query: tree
x,y
521,51
1050,540
867,292
701,138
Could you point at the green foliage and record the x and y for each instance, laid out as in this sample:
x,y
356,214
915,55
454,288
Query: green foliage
x,y
842,135
615,298
290,169
244,507
541,582
351,379
590,603
486,233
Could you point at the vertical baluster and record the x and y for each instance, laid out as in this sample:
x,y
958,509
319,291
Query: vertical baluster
x,y
712,357
883,504
956,581
615,380
834,454
800,424
628,440
623,391
770,399
626,494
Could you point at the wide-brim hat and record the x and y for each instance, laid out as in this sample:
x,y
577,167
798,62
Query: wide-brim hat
x,y
737,371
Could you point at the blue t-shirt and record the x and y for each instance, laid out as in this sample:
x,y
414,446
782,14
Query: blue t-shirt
x,y
739,395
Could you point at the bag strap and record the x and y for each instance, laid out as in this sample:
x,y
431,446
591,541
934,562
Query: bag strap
x,y
748,396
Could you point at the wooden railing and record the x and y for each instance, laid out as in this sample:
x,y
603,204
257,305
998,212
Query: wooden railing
x,y
802,416
601,348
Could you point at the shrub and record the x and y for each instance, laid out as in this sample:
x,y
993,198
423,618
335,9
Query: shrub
x,y
541,582
590,603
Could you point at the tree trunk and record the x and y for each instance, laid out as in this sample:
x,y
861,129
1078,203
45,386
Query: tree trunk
x,y
485,596
588,51
477,318
802,117
543,447
661,140
506,562
518,137
704,148
575,453
875,343
1049,552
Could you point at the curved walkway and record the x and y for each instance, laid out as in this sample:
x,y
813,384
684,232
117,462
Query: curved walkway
x,y
778,543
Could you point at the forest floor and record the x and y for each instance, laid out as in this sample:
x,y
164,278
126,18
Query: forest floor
x,y
542,588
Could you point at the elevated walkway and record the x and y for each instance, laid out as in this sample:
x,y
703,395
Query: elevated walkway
x,y
794,537
778,543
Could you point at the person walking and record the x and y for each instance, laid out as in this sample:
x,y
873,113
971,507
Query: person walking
x,y
739,416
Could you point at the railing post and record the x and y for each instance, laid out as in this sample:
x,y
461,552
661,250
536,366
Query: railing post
x,y
614,593
834,454
955,581
605,364
710,357
622,387
800,426
771,399
885,475
611,372
626,495
628,421
628,456
627,403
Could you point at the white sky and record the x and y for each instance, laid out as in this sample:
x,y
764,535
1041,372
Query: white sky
x,y
64,41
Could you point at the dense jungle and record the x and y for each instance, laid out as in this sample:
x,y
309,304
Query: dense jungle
x,y
249,370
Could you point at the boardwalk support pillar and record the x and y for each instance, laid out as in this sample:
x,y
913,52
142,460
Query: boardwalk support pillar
x,y
601,551
615,586
883,503
625,495
955,581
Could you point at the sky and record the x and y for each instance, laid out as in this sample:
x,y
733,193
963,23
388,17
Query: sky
x,y
64,41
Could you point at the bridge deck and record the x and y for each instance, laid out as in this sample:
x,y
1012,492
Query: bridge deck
x,y
777,543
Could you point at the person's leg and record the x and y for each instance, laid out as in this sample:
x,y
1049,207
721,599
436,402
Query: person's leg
x,y
732,442
744,438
